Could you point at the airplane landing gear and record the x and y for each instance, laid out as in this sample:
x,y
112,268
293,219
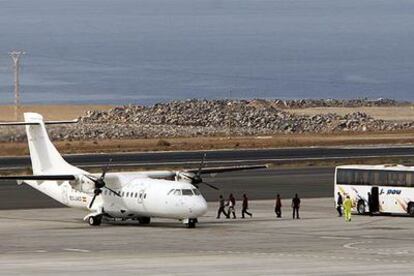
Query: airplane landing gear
x,y
191,223
144,220
95,220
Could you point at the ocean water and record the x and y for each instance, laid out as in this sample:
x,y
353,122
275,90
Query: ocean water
x,y
146,51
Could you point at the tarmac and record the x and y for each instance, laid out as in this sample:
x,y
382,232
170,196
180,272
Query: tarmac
x,y
56,241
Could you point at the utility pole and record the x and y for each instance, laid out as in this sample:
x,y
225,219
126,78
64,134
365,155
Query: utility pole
x,y
15,55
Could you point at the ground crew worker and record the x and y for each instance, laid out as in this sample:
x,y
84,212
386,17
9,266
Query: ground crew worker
x,y
232,205
296,206
278,206
347,208
245,206
339,203
221,209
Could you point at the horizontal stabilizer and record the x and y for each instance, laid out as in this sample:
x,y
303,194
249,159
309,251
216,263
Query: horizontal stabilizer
x,y
227,169
39,177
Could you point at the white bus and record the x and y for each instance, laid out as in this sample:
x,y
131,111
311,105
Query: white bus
x,y
391,187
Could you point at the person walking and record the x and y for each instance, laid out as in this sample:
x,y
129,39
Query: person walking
x,y
245,206
232,205
339,203
370,205
347,208
221,209
278,206
296,206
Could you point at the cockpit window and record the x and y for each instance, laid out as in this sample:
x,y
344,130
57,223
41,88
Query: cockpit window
x,y
187,192
177,192
172,190
196,192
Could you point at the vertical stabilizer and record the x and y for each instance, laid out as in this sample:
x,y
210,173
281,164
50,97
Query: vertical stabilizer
x,y
44,155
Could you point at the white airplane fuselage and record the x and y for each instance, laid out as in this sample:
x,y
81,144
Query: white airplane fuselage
x,y
140,197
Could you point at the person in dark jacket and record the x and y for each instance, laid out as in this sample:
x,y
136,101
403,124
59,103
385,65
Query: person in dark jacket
x,y
370,204
221,209
245,206
339,203
278,206
296,206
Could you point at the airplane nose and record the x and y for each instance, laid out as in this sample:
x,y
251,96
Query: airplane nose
x,y
199,207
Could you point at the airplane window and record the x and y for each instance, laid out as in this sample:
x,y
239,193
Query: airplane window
x,y
122,194
172,190
187,192
177,192
145,196
196,192
127,194
136,195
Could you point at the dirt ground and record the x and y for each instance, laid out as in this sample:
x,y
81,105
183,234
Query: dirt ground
x,y
49,112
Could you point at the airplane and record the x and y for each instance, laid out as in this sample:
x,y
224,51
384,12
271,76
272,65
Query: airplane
x,y
114,195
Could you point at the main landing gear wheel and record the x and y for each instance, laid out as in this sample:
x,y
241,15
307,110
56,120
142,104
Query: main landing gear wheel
x,y
191,223
361,207
95,220
144,220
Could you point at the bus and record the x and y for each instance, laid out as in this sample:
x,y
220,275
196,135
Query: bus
x,y
391,187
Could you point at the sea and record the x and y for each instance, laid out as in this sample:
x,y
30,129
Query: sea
x,y
149,51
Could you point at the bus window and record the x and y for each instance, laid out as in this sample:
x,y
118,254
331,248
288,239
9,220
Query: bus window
x,y
344,176
410,179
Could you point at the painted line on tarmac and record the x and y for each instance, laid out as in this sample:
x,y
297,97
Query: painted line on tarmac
x,y
303,255
76,250
335,238
351,244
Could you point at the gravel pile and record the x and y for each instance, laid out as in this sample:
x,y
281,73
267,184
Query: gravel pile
x,y
212,118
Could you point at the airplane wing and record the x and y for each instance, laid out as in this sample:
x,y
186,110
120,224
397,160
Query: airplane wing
x,y
39,177
212,170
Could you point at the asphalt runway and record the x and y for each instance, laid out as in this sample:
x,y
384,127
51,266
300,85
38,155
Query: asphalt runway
x,y
57,242
219,157
257,184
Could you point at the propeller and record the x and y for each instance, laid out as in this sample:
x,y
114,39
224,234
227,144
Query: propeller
x,y
100,183
195,178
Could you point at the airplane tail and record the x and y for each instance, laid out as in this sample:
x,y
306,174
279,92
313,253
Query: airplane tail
x,y
44,156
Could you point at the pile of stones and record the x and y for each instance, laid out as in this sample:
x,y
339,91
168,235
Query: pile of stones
x,y
192,118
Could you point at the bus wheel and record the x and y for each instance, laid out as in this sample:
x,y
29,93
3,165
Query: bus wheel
x,y
361,207
410,209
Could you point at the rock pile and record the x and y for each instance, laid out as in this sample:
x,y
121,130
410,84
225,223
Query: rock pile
x,y
307,103
209,118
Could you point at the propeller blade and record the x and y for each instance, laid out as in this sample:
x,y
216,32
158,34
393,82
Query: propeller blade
x,y
211,186
201,165
118,194
92,201
106,169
